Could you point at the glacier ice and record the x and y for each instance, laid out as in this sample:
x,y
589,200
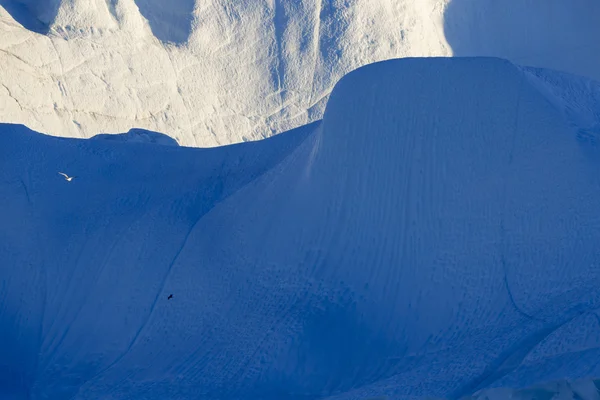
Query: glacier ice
x,y
435,235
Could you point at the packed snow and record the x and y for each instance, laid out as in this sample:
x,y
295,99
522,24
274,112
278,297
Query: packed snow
x,y
216,72
435,235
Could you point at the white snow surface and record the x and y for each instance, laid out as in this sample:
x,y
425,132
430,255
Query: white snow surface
x,y
436,234
216,72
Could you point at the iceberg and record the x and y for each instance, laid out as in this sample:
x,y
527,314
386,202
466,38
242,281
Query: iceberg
x,y
435,235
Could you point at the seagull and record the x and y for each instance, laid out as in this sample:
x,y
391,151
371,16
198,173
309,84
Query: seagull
x,y
67,177
170,297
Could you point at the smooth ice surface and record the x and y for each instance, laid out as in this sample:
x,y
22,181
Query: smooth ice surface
x,y
436,234
215,72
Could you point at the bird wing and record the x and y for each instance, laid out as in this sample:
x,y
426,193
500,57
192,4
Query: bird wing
x,y
63,174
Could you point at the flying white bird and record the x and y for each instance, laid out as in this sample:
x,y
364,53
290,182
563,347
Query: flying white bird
x,y
67,177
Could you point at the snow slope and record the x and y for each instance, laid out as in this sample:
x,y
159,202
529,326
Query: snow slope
x,y
434,235
216,72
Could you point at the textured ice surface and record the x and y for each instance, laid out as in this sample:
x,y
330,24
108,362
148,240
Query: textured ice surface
x,y
215,72
435,235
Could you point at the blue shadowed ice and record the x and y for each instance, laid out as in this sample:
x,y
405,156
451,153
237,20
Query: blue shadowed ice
x,y
435,235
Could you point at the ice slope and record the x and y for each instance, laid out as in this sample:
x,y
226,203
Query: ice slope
x,y
109,254
216,72
434,235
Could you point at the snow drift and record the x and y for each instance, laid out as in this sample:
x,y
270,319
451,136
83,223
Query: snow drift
x,y
215,72
434,235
